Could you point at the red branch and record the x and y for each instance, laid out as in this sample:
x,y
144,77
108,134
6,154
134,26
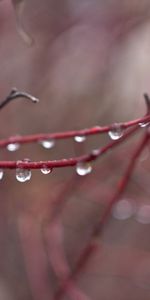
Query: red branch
x,y
91,247
69,161
70,134
129,128
15,94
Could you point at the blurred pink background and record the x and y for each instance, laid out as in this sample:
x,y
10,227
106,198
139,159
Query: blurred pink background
x,y
89,65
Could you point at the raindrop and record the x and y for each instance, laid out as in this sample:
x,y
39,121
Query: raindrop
x,y
1,174
46,170
144,124
80,138
143,214
13,147
96,152
116,132
23,175
83,168
48,144
123,209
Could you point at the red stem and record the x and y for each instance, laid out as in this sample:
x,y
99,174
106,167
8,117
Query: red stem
x,y
69,134
69,161
91,247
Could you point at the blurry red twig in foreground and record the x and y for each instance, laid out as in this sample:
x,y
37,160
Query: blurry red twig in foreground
x,y
91,247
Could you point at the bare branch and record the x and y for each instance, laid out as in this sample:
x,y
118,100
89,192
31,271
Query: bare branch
x,y
69,162
147,101
15,94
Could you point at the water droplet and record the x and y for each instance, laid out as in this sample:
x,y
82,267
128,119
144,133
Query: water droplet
x,y
123,209
80,138
83,168
96,152
23,175
46,170
116,132
13,146
1,174
48,144
144,124
143,214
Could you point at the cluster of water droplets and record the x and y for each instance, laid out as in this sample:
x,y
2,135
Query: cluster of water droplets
x,y
23,174
82,168
116,132
46,143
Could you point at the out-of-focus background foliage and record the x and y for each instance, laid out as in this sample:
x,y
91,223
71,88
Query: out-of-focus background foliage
x,y
89,65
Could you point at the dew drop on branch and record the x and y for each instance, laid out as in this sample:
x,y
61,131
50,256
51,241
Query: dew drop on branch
x,y
83,168
80,138
1,174
23,175
13,147
144,124
47,144
46,170
116,132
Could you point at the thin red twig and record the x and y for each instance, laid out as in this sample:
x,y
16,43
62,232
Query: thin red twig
x,y
69,161
70,134
91,247
134,124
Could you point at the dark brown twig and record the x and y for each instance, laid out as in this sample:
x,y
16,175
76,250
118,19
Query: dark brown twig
x,y
15,94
